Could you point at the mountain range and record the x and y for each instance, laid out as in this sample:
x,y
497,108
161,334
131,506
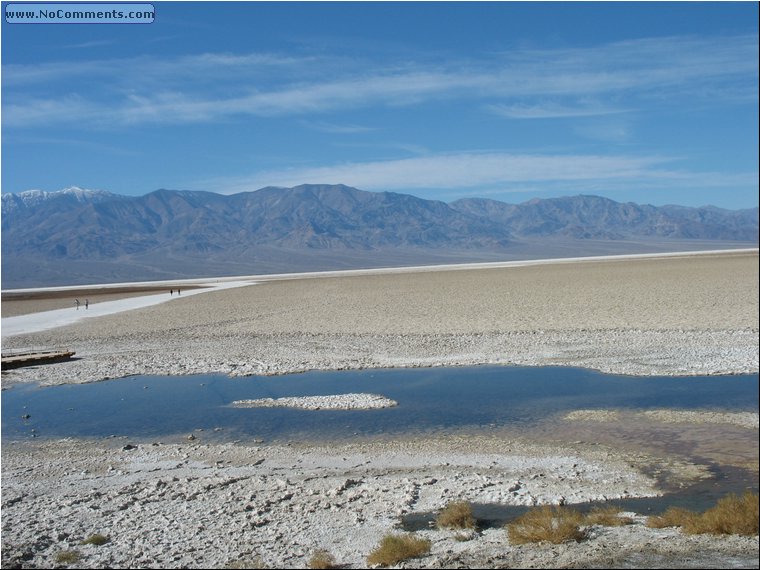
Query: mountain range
x,y
77,236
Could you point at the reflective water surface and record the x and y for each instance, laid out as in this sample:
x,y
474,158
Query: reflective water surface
x,y
516,401
430,399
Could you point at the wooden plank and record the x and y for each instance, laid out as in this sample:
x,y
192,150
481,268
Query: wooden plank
x,y
32,358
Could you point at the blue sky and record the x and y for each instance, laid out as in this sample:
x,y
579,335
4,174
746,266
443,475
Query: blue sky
x,y
646,102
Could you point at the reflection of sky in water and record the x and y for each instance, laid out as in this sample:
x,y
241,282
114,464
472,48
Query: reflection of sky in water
x,y
429,399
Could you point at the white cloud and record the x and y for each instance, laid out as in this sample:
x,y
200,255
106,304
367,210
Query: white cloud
x,y
45,111
209,87
337,129
552,111
150,70
450,171
612,129
492,173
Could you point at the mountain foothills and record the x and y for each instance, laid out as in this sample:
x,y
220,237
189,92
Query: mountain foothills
x,y
79,236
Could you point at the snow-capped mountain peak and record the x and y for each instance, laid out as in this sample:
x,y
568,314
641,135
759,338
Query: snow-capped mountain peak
x,y
33,198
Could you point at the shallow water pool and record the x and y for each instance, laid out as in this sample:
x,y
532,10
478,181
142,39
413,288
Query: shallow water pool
x,y
430,399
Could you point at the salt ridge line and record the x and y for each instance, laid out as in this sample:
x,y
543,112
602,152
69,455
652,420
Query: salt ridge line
x,y
46,320
497,264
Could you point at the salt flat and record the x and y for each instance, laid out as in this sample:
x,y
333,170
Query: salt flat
x,y
676,314
37,321
199,505
188,502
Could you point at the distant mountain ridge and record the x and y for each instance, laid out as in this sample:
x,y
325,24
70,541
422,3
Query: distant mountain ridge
x,y
308,216
587,217
78,235
24,203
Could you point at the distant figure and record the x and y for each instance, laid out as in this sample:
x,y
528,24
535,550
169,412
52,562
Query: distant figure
x,y
76,302
171,292
179,292
86,303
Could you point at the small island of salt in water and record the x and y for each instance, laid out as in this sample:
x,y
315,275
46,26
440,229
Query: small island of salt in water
x,y
332,402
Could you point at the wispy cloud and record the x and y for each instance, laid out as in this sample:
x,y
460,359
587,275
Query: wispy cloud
x,y
551,111
88,45
464,170
65,109
213,86
491,172
149,71
338,129
93,148
613,129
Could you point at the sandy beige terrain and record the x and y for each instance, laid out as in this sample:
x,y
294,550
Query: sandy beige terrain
x,y
694,314
195,503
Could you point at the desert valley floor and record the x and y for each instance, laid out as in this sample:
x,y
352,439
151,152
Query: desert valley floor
x,y
182,502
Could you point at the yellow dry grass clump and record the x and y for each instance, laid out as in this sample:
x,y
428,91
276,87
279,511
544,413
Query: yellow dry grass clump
x,y
322,560
731,515
561,524
674,516
68,557
606,516
96,539
397,547
457,514
547,524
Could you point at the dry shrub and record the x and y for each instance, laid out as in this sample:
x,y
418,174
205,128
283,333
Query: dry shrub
x,y
457,514
397,547
68,557
674,516
606,516
96,539
731,515
322,559
547,524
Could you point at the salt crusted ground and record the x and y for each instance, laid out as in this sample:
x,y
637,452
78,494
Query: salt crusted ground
x,y
195,505
333,402
201,504
693,314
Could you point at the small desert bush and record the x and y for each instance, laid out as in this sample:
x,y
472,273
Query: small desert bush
x,y
322,559
397,547
96,539
547,524
68,557
457,514
606,516
674,516
731,515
